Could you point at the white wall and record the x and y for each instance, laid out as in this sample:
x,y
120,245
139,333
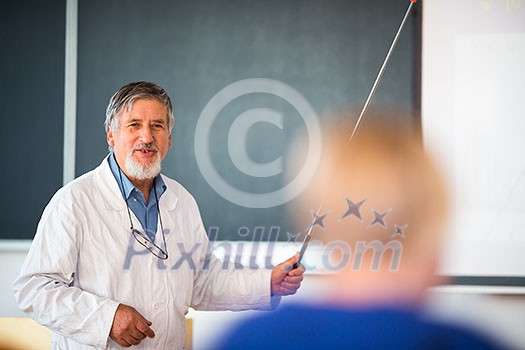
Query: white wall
x,y
500,312
11,259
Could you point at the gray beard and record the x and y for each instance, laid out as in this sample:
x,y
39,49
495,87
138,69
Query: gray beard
x,y
140,172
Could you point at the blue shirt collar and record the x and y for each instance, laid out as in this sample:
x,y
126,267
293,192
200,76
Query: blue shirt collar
x,y
160,186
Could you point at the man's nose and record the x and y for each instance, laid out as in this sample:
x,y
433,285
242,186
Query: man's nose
x,y
146,135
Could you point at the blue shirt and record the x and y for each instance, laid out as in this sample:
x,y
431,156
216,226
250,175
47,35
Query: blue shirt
x,y
146,213
337,327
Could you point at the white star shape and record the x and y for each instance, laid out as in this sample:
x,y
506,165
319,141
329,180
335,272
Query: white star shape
x,y
353,209
379,218
399,231
292,237
318,220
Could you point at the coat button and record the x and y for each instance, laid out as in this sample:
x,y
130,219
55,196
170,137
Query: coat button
x,y
155,306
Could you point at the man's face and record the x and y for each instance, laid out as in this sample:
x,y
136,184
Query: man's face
x,y
142,139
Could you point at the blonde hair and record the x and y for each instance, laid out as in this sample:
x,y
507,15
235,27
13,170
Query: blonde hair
x,y
384,166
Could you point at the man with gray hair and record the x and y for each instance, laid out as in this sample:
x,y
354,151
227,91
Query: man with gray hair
x,y
121,253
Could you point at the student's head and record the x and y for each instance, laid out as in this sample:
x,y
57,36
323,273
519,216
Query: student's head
x,y
383,198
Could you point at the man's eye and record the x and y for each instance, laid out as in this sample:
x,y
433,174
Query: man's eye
x,y
158,126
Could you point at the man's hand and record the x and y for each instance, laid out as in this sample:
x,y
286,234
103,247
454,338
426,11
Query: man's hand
x,y
285,279
129,327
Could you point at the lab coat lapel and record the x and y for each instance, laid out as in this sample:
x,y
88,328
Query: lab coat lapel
x,y
168,203
108,187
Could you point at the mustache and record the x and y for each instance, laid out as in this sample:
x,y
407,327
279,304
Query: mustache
x,y
146,147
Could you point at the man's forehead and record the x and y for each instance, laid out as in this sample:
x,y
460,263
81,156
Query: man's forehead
x,y
129,112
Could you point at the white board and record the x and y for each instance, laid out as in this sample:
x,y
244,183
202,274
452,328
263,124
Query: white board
x,y
473,117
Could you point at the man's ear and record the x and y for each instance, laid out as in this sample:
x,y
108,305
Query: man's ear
x,y
170,142
110,138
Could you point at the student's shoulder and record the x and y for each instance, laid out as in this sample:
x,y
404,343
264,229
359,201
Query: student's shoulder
x,y
460,336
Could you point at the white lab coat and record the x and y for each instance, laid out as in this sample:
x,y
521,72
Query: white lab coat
x,y
84,261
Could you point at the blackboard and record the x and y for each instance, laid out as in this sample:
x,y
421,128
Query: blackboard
x,y
32,38
327,51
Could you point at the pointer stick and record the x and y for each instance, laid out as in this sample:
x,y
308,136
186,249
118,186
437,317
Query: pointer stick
x,y
382,70
307,239
365,106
